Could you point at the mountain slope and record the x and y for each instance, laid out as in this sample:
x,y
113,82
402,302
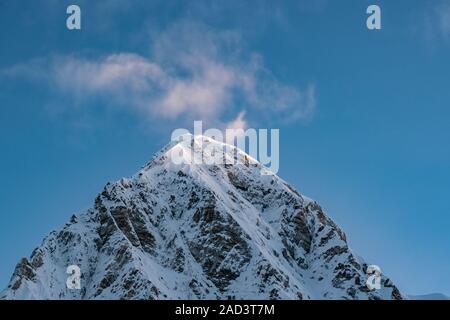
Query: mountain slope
x,y
430,296
198,231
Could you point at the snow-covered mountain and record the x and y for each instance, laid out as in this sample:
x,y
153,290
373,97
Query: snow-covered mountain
x,y
198,231
430,296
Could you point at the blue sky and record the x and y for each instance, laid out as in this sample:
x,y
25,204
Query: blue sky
x,y
363,115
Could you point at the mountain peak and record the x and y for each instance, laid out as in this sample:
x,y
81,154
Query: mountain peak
x,y
195,230
205,146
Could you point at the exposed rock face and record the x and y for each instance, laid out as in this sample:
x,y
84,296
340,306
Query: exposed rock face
x,y
194,232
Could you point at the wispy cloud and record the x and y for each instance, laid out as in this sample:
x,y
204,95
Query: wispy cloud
x,y
238,123
436,23
192,72
443,12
